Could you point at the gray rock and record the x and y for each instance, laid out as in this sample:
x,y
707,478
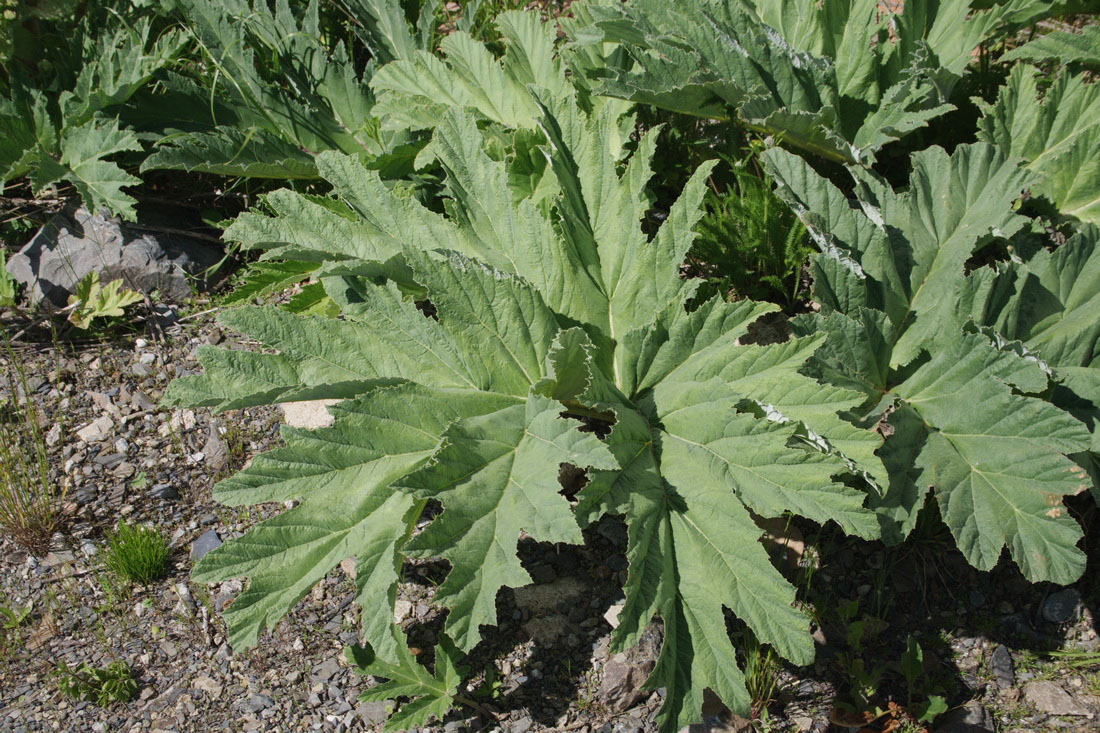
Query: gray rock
x,y
373,712
970,718
206,542
1061,606
1000,666
620,688
208,685
522,725
165,491
72,244
54,559
1049,697
226,592
142,401
215,450
257,703
326,670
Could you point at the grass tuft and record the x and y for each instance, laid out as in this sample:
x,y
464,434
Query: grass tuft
x,y
138,554
29,502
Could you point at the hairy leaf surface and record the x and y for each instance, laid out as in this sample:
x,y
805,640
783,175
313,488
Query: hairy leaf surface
x,y
949,362
1058,136
838,79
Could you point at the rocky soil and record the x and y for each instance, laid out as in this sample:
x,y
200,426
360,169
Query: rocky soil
x,y
984,637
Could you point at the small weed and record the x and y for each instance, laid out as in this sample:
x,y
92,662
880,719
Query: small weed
x,y
29,499
92,300
138,554
114,683
761,670
236,450
7,284
1077,658
12,618
750,241
491,688
588,694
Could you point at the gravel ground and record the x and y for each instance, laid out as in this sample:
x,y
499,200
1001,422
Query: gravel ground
x,y
547,666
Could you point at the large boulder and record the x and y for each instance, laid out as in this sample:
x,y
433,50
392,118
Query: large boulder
x,y
74,243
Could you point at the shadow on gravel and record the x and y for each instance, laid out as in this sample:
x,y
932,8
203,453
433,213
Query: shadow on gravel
x,y
900,631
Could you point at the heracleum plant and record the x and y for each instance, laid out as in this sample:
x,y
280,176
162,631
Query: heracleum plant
x,y
30,502
474,345
543,316
138,554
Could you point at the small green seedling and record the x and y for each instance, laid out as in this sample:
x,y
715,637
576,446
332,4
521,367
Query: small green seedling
x,y
7,284
92,300
138,554
114,683
912,669
13,618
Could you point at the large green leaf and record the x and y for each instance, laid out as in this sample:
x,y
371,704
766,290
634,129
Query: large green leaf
x,y
908,250
997,471
839,79
342,476
1050,305
82,163
228,151
1066,46
497,476
1058,136
432,694
281,94
72,134
947,361
417,89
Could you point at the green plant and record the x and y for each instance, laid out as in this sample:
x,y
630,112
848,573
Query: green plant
x,y
7,284
983,382
281,91
71,70
912,669
1058,136
525,311
839,79
102,686
30,501
762,667
535,321
13,617
90,300
1068,48
138,554
1077,657
749,240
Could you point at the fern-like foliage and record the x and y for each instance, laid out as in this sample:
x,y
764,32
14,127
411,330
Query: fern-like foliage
x,y
543,314
750,241
957,368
